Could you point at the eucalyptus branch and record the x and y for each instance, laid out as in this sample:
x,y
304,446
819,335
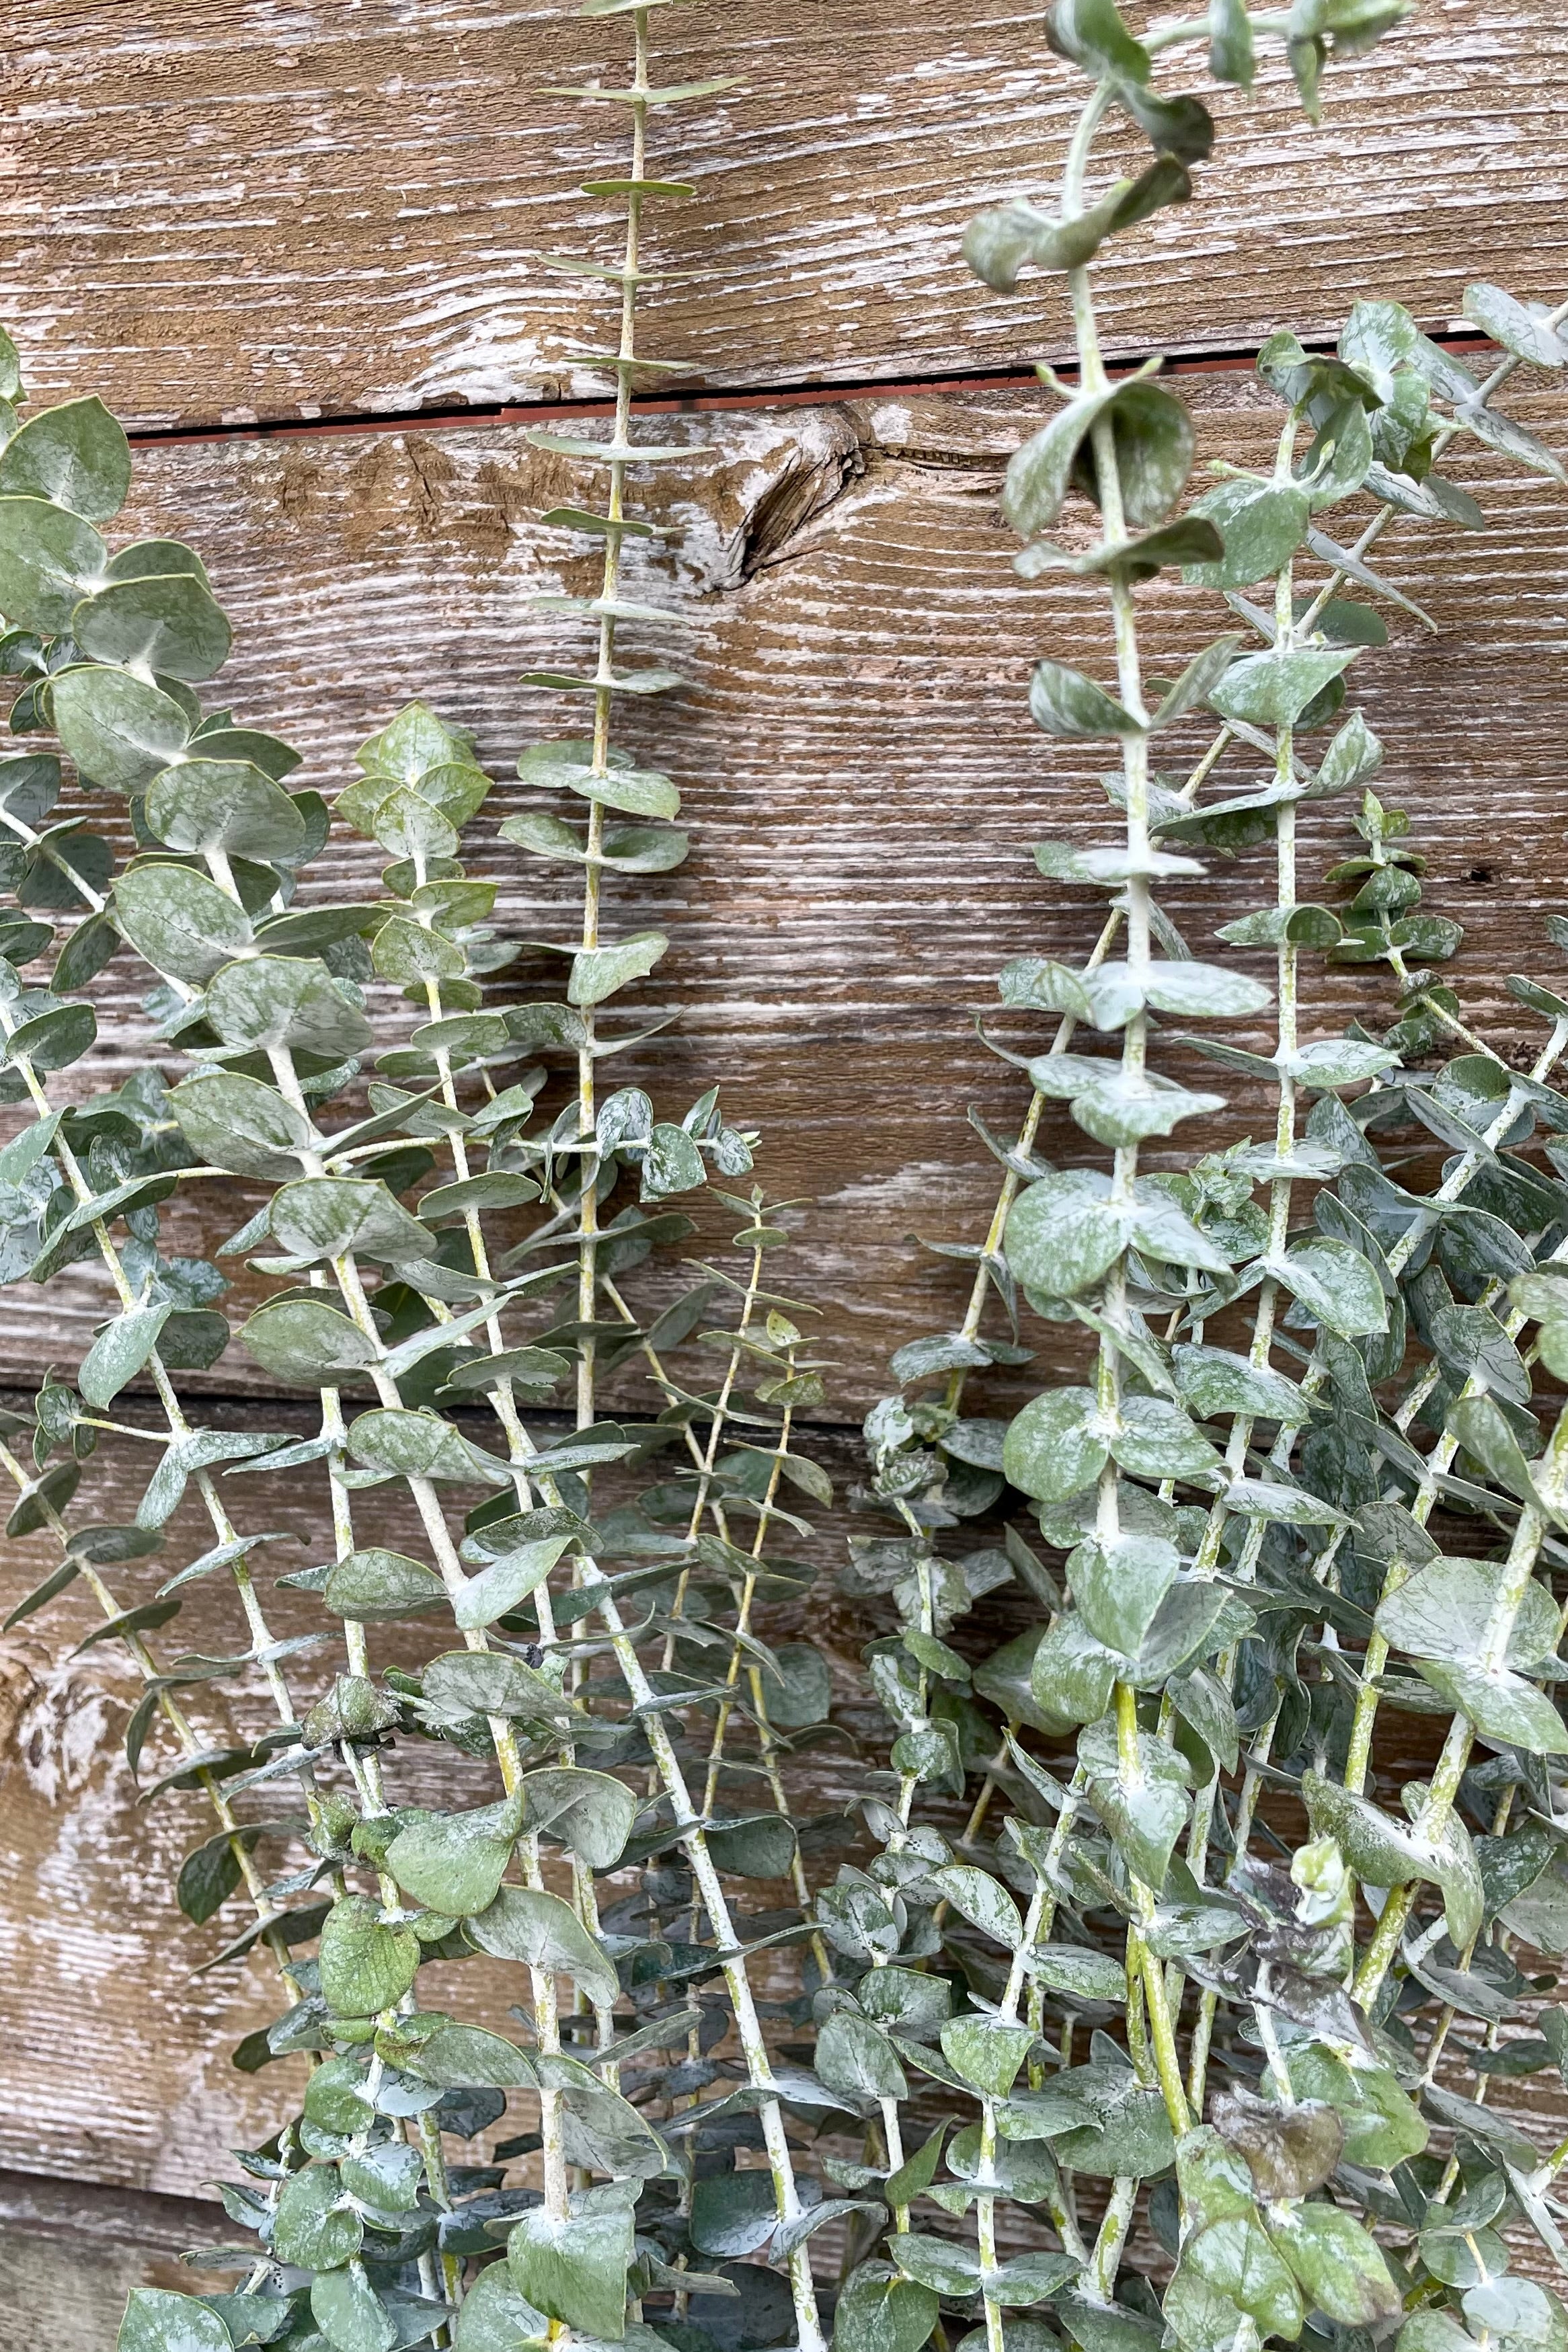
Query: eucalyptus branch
x,y
1159,1657
416,1300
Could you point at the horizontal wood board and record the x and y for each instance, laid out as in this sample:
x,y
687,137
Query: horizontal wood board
x,y
289,209
71,2252
117,2065
863,780
861,772
290,212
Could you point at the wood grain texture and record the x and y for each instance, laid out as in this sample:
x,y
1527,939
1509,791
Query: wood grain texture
x,y
72,2253
117,2061
861,772
864,780
283,208
117,2056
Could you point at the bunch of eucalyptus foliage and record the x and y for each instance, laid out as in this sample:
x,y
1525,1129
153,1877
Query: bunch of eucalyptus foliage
x,y
1313,1479
1127,2015
448,1234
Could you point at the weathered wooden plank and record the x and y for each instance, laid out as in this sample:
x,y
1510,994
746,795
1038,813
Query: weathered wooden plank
x,y
860,768
117,2060
864,778
283,212
71,2251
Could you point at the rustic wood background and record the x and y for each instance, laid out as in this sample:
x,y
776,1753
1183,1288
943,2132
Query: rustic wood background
x,y
295,246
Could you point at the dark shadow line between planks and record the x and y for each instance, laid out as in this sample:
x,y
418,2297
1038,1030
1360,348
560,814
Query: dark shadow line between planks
x,y
552,1421
58,2207
784,396
61,2206
825,394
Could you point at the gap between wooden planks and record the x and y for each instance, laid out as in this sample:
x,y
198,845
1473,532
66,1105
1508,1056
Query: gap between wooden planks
x,y
225,212
793,395
860,770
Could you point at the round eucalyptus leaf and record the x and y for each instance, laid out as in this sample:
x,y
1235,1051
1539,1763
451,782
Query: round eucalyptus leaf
x,y
157,2321
452,1861
986,2053
180,921
336,1216
119,1353
630,849
120,732
855,2056
278,1000
30,786
169,622
1071,707
1154,440
224,804
411,814
1336,1284
1132,2140
879,2311
421,1445
1119,1585
466,1683
20,942
269,752
395,817
84,955
307,930
733,2213
194,1338
802,1691
1261,523
600,972
48,560
1053,1447
54,1040
308,1343
76,454
237,1123
468,2057
495,2317
752,1846
1233,2255
1442,1610
350,2314
1064,1233
1340,2266
619,784
413,743
982,1901
574,2268
525,1924
507,1582
449,1205
365,1965
535,1370
411,954
314,2230
145,557
377,1586
590,1813
1075,1970
1382,2124
81,862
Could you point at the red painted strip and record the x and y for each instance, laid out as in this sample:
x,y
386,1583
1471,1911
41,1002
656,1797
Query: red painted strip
x,y
822,395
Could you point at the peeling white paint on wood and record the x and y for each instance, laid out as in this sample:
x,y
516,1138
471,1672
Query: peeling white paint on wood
x,y
861,776
257,210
